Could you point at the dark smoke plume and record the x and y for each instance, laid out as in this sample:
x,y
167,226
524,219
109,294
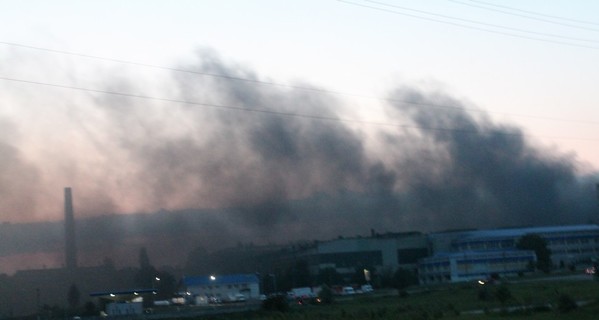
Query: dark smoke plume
x,y
467,170
216,176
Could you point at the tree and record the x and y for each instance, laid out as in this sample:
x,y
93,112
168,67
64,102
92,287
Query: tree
x,y
326,294
294,276
276,303
89,309
503,294
167,285
144,259
73,296
145,277
301,274
537,244
403,278
566,303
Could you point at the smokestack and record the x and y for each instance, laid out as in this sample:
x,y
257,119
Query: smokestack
x,y
69,222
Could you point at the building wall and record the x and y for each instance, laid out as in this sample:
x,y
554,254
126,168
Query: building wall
x,y
382,253
122,308
494,251
223,287
224,291
466,266
568,244
572,248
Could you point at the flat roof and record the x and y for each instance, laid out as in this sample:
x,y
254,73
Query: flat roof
x,y
122,295
518,232
472,253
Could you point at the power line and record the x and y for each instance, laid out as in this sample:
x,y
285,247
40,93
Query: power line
x,y
277,113
268,83
141,64
524,16
538,14
470,27
481,23
211,105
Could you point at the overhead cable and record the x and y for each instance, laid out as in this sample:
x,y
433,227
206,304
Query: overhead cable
x,y
277,84
261,110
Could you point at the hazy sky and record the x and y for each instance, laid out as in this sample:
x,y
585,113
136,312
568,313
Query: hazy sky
x,y
528,70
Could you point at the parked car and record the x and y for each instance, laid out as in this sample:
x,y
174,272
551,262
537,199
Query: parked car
x,y
240,297
348,291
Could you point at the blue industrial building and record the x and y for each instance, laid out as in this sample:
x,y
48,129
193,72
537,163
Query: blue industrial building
x,y
467,255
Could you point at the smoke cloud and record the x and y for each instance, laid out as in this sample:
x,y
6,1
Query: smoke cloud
x,y
213,176
469,171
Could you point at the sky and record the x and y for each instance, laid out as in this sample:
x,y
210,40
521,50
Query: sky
x,y
425,114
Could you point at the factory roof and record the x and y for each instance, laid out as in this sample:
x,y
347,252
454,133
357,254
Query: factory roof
x,y
509,252
518,232
122,295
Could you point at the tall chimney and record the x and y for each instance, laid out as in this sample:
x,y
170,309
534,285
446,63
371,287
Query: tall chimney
x,y
69,224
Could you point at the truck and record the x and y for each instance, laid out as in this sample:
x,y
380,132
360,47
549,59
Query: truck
x,y
304,292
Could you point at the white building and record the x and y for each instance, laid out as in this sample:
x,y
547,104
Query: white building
x,y
122,303
222,287
475,254
474,265
568,244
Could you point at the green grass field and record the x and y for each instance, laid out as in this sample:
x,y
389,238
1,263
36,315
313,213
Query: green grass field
x,y
530,300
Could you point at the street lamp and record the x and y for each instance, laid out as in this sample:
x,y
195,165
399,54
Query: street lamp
x,y
154,283
367,275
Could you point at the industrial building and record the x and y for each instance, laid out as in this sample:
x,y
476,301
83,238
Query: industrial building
x,y
467,255
568,244
383,252
222,287
474,265
123,303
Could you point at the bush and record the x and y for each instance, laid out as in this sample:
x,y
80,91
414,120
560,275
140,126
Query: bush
x,y
403,278
483,294
503,294
326,295
276,303
565,303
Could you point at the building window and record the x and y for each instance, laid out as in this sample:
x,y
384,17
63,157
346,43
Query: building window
x,y
352,259
411,255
